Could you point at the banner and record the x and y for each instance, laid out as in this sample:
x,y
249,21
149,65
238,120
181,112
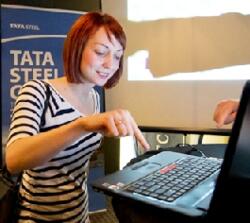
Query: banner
x,y
32,44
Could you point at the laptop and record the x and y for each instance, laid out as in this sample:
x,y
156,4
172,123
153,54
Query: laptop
x,y
189,185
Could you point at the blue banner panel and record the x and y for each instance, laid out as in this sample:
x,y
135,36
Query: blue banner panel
x,y
32,43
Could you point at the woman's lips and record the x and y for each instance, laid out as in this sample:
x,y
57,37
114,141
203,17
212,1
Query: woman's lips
x,y
102,74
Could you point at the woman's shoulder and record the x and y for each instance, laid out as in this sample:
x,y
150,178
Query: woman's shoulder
x,y
35,86
36,83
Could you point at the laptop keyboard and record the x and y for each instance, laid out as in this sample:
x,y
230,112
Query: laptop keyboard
x,y
175,179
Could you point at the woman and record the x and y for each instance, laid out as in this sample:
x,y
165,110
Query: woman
x,y
54,157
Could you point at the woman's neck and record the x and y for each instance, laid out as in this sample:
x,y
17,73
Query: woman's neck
x,y
82,89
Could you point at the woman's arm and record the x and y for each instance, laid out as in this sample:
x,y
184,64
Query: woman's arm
x,y
31,151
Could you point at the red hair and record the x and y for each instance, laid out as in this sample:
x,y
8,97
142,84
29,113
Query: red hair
x,y
83,28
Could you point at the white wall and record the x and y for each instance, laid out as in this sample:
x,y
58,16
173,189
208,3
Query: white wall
x,y
167,103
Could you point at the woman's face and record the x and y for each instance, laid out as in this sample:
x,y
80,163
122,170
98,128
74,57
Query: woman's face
x,y
100,58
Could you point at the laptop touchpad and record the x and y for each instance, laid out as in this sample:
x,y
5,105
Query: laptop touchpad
x,y
147,165
204,204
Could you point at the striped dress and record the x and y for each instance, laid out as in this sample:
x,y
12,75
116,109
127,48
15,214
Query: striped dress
x,y
57,190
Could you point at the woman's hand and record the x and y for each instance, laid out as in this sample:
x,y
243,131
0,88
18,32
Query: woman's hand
x,y
118,122
225,112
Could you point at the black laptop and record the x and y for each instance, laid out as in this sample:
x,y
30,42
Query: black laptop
x,y
190,185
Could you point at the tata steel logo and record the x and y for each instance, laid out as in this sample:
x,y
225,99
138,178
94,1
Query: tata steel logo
x,y
24,26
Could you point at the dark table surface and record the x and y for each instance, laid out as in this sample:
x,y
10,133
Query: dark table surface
x,y
185,130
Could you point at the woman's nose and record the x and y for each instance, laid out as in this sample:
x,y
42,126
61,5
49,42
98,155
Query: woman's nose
x,y
108,61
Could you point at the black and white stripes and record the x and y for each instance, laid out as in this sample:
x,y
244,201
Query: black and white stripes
x,y
55,191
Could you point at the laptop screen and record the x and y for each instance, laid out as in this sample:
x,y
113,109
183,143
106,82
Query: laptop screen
x,y
237,157
234,179
241,160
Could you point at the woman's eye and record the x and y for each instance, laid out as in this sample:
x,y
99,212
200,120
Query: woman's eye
x,y
100,53
117,57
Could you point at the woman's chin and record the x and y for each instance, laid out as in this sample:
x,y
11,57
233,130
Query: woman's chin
x,y
101,83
